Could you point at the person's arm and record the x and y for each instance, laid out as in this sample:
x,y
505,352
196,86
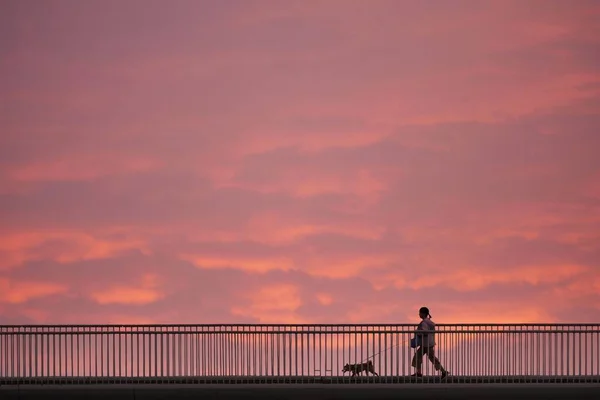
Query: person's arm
x,y
419,333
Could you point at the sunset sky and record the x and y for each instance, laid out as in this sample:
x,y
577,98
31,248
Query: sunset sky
x,y
307,161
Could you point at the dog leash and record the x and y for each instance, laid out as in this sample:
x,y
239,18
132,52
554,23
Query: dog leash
x,y
383,351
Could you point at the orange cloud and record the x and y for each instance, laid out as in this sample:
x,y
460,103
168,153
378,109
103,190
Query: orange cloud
x,y
145,294
311,141
467,279
324,299
81,168
126,295
15,292
121,319
585,285
302,183
507,311
259,265
276,303
338,267
274,227
363,310
301,147
66,246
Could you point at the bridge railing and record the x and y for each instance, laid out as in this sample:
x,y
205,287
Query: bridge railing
x,y
473,352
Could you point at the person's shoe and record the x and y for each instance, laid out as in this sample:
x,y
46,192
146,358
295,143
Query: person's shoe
x,y
444,374
418,374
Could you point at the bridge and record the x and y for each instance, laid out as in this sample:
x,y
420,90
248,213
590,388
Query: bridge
x,y
214,360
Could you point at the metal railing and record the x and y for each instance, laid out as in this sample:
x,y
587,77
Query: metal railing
x,y
296,353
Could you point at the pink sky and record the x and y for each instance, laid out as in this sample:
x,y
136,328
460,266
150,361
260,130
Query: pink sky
x,y
299,161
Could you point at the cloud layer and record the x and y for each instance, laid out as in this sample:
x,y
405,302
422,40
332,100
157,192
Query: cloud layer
x,y
292,162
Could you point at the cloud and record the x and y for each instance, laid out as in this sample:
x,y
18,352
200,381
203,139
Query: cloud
x,y
144,294
16,292
272,304
286,162
64,245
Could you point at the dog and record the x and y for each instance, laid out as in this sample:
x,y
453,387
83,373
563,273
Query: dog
x,y
359,368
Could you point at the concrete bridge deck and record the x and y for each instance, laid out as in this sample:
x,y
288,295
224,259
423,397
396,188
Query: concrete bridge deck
x,y
303,380
374,391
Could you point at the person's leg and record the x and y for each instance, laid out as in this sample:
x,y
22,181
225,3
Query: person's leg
x,y
417,361
436,363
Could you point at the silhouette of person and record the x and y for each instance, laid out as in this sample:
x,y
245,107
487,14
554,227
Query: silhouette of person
x,y
425,340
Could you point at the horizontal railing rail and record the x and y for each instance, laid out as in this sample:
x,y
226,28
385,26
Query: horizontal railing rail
x,y
300,353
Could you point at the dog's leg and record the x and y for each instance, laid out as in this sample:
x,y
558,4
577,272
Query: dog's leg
x,y
371,368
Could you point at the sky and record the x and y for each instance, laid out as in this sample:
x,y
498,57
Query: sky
x,y
299,161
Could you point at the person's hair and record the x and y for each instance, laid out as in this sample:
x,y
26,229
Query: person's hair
x,y
424,310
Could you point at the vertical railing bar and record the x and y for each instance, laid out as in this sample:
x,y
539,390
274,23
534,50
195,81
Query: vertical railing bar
x,y
279,350
270,348
70,338
78,353
145,366
203,352
254,347
323,357
236,354
260,352
52,336
94,353
196,352
3,352
166,343
114,335
30,352
179,352
580,357
191,353
15,354
162,359
156,337
136,336
544,351
288,344
568,347
187,367
10,349
123,336
597,363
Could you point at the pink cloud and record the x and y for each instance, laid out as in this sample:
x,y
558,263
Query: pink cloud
x,y
14,292
272,304
253,265
84,169
147,292
276,161
478,278
63,246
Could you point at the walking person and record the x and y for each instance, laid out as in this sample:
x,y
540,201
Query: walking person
x,y
425,341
